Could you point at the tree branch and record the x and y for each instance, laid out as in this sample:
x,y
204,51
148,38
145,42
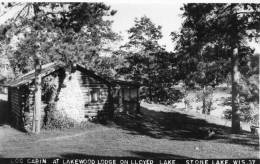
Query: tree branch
x,y
27,5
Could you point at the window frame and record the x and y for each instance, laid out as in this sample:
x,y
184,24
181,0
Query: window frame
x,y
95,95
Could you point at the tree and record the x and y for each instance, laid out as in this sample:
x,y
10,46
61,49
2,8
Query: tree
x,y
106,66
66,32
222,29
147,62
142,47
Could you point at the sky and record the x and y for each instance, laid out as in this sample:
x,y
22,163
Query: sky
x,y
164,13
167,15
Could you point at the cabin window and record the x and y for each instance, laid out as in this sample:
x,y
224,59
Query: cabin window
x,y
95,95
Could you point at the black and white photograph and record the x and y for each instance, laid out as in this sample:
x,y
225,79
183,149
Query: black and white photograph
x,y
129,82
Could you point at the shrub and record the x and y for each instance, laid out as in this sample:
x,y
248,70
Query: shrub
x,y
27,120
55,119
102,117
206,96
227,114
49,88
246,115
188,99
255,120
164,95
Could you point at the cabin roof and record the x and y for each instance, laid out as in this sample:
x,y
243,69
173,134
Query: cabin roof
x,y
52,67
126,83
29,76
92,74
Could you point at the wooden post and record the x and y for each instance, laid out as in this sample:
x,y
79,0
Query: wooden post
x,y
37,98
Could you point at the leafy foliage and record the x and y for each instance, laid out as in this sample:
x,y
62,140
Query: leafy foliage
x,y
145,61
55,119
206,96
206,44
68,32
205,41
143,41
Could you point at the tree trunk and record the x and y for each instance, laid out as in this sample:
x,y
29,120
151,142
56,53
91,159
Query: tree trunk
x,y
150,91
149,79
235,76
204,100
37,100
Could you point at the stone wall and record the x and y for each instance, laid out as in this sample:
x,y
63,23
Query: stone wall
x,y
74,99
71,99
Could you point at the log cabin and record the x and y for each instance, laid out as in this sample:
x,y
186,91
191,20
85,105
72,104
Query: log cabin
x,y
78,93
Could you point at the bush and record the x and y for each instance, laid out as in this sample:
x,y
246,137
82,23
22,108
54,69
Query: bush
x,y
27,120
255,120
55,119
227,114
166,95
49,88
246,115
188,100
206,96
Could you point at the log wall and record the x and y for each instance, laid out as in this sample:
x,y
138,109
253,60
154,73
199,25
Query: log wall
x,y
15,107
21,103
75,99
87,85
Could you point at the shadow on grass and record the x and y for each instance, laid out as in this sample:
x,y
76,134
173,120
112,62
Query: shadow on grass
x,y
135,154
152,155
179,126
169,125
245,138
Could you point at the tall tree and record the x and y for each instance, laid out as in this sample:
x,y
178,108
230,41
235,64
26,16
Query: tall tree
x,y
221,29
142,47
74,32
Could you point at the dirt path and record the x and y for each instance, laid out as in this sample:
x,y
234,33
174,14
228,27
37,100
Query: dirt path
x,y
71,136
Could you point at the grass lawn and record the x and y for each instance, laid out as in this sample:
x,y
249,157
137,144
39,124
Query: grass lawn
x,y
154,134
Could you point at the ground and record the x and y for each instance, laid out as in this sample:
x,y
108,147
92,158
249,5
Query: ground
x,y
159,132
